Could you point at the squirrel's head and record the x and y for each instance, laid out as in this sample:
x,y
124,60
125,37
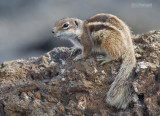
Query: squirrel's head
x,y
67,28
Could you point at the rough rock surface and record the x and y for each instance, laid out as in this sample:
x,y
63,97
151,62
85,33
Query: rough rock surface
x,y
55,85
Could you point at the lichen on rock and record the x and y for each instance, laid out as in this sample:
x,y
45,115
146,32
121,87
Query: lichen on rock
x,y
54,85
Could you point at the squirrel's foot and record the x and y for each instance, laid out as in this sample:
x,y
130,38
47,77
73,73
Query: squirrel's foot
x,y
79,57
103,59
74,51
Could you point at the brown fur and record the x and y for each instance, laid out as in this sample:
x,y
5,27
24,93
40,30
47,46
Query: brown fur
x,y
106,33
100,18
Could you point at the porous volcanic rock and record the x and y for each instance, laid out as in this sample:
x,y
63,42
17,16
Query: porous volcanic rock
x,y
55,85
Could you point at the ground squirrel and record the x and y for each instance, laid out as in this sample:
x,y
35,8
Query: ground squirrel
x,y
105,34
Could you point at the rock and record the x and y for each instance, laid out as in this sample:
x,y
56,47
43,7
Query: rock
x,y
55,85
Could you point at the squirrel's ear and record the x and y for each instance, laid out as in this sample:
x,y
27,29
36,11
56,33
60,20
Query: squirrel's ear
x,y
76,23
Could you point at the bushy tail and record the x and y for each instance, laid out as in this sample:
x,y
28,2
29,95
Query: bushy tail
x,y
119,94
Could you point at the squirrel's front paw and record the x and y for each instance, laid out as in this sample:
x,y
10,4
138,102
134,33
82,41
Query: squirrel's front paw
x,y
79,57
75,51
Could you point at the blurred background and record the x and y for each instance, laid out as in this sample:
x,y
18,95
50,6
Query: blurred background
x,y
26,25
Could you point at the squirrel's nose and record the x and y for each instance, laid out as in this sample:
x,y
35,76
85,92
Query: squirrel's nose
x,y
53,30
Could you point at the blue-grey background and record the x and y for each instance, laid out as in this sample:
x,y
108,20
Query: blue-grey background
x,y
25,25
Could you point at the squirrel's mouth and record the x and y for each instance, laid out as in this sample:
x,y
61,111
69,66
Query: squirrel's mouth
x,y
61,37
57,35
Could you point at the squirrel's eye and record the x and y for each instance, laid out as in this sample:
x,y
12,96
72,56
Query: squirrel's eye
x,y
65,25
